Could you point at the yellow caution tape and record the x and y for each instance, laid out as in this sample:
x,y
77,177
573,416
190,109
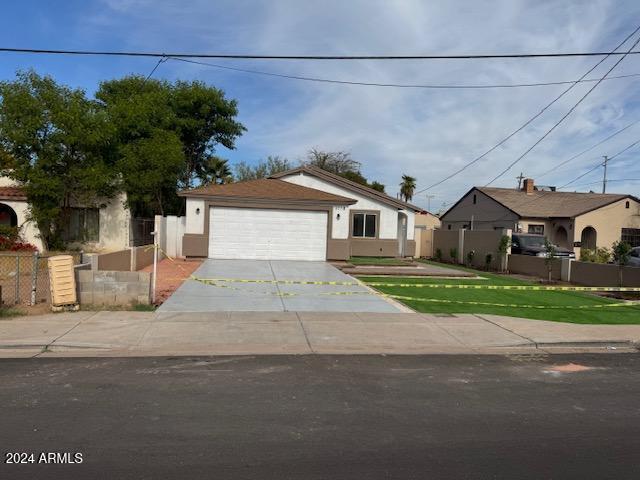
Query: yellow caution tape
x,y
418,299
280,282
507,287
513,305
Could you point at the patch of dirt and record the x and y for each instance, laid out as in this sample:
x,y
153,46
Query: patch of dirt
x,y
171,274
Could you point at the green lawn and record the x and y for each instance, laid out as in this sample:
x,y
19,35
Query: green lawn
x,y
387,261
557,300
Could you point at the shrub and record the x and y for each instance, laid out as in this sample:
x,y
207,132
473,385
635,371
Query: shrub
x,y
470,255
23,247
10,233
16,246
487,260
503,246
621,253
453,253
438,255
599,255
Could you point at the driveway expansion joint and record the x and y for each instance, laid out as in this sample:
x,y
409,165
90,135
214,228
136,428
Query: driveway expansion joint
x,y
530,340
46,346
304,332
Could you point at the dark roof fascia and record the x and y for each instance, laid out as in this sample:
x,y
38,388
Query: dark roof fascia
x,y
349,185
236,198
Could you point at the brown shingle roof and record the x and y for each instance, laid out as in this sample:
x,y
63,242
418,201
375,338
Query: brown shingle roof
x,y
267,189
542,204
12,193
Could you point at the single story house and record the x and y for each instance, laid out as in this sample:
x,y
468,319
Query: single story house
x,y
427,220
568,219
301,214
105,228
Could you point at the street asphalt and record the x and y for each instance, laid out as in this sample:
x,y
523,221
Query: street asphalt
x,y
325,417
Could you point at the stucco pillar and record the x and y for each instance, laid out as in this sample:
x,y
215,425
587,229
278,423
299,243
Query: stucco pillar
x,y
565,269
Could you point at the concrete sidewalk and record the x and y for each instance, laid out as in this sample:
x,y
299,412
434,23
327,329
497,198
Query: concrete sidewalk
x,y
114,334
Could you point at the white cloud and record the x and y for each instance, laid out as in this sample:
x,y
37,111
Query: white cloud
x,y
425,133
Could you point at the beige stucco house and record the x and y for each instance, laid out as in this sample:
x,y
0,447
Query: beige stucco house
x,y
301,214
569,219
105,228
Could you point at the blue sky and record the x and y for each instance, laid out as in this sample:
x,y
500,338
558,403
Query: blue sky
x,y
423,133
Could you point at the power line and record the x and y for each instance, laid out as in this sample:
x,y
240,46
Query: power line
x,y
550,192
310,57
527,123
599,164
608,181
162,60
586,150
395,85
548,132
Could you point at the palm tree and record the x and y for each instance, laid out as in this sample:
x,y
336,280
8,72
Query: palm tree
x,y
407,187
215,170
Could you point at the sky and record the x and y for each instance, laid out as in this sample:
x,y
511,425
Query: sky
x,y
425,133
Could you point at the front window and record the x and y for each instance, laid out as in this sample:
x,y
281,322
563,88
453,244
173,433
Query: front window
x,y
536,229
364,225
631,236
82,225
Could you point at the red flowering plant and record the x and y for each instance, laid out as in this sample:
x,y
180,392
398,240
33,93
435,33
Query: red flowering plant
x,y
10,240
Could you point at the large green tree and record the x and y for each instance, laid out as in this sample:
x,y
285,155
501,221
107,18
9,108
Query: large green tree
x,y
263,169
190,114
56,144
340,163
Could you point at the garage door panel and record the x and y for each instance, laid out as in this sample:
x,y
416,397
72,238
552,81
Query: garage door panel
x,y
267,234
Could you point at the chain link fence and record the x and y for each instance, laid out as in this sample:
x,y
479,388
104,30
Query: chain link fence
x,y
24,278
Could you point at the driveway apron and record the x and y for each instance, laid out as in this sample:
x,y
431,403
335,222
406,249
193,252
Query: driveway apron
x,y
198,296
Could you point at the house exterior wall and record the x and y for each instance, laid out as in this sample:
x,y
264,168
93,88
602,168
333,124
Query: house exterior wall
x,y
486,212
427,220
115,224
388,220
28,230
195,221
608,222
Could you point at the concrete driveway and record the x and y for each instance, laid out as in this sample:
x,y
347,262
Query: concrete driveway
x,y
275,295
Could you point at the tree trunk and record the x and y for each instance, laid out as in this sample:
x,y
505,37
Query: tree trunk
x,y
159,200
620,284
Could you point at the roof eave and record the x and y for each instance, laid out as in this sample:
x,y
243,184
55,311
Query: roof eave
x,y
237,198
349,185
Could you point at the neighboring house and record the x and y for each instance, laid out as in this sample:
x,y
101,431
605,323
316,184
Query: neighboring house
x,y
425,224
301,214
427,220
101,229
568,219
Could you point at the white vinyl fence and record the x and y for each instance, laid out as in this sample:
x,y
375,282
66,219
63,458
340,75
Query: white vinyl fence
x,y
170,230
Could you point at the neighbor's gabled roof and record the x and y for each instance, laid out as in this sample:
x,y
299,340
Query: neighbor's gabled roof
x,y
267,189
349,185
548,204
12,193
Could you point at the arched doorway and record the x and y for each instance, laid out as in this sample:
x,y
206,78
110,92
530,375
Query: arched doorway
x,y
562,238
8,217
588,238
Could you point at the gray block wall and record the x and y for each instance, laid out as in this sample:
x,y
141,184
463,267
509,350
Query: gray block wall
x,y
97,287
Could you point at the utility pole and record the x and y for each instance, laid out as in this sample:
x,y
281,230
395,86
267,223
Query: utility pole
x,y
520,178
429,197
604,178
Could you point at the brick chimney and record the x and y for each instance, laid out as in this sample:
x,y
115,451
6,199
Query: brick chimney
x,y
527,186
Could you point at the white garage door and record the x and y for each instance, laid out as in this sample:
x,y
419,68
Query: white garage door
x,y
267,234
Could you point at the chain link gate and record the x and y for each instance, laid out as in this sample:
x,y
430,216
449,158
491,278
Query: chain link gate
x,y
24,278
